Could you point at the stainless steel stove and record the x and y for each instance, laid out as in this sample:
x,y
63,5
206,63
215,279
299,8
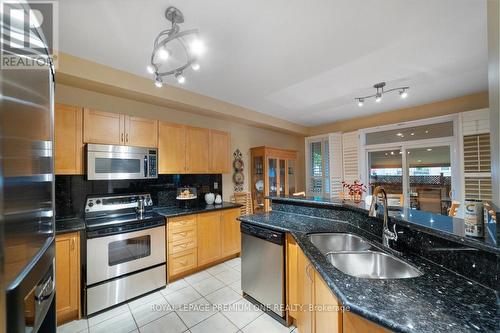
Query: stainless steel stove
x,y
125,249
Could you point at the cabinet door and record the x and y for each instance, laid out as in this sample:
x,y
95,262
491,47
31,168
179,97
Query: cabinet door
x,y
220,145
103,127
231,236
197,140
67,277
327,315
291,275
68,140
305,300
209,242
355,324
141,132
172,148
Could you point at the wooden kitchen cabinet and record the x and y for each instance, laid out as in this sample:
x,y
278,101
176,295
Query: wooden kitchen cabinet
x,y
197,150
141,132
292,276
209,237
171,148
68,140
103,127
230,232
67,277
118,129
327,315
353,323
304,293
220,146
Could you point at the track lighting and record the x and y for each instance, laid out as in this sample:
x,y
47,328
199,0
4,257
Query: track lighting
x,y
192,48
403,93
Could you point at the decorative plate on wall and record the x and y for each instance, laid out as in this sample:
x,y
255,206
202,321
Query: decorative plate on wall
x,y
238,177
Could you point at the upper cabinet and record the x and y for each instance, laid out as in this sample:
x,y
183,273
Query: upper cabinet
x,y
118,129
103,127
68,140
141,132
172,148
197,146
181,149
219,152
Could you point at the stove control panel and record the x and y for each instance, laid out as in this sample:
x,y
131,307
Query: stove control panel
x,y
116,202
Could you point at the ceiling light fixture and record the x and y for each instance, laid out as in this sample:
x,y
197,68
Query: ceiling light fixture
x,y
403,93
192,47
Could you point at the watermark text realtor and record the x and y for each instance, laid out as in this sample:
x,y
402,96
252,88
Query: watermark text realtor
x,y
29,34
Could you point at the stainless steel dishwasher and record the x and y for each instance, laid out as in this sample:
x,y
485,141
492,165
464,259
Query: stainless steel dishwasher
x,y
263,268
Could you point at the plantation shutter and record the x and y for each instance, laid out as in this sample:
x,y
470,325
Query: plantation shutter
x,y
335,162
350,143
477,155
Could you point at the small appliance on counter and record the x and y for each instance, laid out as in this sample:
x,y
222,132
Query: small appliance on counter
x,y
187,197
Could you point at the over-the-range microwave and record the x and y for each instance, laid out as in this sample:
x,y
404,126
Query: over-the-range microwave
x,y
121,162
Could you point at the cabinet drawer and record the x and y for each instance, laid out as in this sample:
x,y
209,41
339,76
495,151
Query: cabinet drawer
x,y
183,234
181,262
182,245
182,223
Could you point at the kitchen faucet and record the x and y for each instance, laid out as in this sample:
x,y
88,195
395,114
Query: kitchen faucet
x,y
387,234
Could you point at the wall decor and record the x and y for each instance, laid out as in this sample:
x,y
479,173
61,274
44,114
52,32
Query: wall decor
x,y
238,177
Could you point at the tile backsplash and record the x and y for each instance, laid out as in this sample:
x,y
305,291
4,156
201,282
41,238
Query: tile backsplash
x,y
72,190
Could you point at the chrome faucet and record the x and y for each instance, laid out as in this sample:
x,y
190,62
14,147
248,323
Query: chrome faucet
x,y
387,235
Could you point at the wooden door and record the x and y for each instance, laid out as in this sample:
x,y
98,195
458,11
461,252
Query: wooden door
x,y
141,132
292,276
197,145
103,127
305,285
209,237
172,148
230,232
327,315
68,140
353,323
220,155
67,277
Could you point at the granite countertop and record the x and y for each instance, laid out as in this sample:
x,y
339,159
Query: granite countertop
x,y
447,227
437,301
69,225
176,211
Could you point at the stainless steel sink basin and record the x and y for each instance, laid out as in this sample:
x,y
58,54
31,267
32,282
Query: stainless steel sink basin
x,y
372,265
338,242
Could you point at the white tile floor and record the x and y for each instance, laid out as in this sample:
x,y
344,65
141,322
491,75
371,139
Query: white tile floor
x,y
207,302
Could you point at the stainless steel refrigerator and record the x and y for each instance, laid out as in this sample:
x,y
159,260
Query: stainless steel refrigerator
x,y
27,302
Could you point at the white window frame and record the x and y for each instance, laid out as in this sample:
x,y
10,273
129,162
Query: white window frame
x,y
454,142
307,151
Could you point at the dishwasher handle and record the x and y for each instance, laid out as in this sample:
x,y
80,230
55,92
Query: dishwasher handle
x,y
269,235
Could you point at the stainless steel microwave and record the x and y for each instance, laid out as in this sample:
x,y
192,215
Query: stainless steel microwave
x,y
121,162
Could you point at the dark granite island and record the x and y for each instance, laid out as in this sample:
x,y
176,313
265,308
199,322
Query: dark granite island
x,y
458,291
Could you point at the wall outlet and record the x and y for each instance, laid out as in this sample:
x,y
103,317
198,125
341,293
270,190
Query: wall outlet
x,y
216,185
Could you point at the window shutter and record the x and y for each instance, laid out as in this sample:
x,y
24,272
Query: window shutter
x,y
316,170
477,155
350,143
335,162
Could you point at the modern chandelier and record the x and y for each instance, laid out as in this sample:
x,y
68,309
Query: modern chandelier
x,y
186,44
403,93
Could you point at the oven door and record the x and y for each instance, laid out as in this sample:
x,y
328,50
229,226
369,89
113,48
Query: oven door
x,y
116,165
112,256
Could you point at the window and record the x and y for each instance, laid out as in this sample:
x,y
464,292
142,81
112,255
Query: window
x,y
318,167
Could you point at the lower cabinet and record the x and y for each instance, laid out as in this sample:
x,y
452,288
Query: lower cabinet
x,y
67,277
311,303
198,240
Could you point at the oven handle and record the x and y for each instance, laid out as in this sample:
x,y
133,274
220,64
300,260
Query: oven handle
x,y
145,166
110,231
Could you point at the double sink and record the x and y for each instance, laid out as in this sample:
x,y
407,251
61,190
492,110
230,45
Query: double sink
x,y
355,256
